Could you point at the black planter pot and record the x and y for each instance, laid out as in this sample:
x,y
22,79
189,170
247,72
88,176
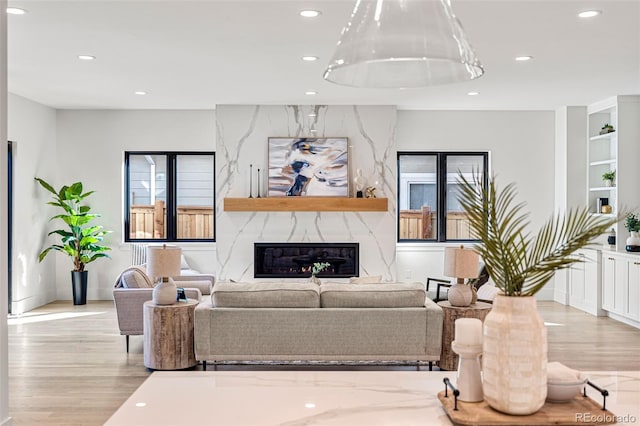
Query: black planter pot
x,y
79,283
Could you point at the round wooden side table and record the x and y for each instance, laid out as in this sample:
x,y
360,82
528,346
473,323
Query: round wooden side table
x,y
448,358
168,335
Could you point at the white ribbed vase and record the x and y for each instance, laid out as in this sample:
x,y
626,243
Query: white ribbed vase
x,y
514,360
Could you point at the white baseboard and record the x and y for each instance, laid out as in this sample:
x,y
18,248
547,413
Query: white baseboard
x,y
624,320
7,422
560,296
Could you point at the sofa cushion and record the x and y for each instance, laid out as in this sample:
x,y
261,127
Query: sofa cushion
x,y
265,295
373,279
135,277
384,295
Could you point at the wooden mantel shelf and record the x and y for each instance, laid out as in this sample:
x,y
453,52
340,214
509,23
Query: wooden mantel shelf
x,y
305,204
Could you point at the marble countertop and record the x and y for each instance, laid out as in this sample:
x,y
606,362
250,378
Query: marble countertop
x,y
319,398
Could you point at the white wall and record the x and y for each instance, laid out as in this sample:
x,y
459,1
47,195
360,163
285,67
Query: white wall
x,y
32,129
570,173
521,146
91,145
243,132
5,420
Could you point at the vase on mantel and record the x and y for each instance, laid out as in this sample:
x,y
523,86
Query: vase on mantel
x,y
633,242
514,356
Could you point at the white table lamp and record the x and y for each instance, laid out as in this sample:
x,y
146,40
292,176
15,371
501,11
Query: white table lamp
x,y
163,262
460,263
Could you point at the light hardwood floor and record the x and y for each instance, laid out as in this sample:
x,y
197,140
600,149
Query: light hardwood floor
x,y
68,364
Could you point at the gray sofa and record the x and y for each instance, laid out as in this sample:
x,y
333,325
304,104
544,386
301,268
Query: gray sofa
x,y
307,322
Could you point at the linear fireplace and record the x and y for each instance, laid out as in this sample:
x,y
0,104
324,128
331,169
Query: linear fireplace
x,y
295,260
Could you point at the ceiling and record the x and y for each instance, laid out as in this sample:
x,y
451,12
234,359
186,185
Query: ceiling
x,y
197,54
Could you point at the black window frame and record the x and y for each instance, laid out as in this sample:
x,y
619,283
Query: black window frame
x,y
171,203
441,191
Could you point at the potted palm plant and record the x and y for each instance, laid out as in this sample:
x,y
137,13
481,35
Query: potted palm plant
x,y
520,264
79,240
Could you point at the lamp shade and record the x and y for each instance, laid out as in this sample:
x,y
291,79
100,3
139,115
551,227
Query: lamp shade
x,y
163,261
460,262
402,44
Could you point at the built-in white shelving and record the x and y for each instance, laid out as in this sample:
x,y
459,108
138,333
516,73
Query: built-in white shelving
x,y
617,151
603,155
603,137
603,162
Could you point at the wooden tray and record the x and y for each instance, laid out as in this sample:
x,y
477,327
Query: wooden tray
x,y
480,414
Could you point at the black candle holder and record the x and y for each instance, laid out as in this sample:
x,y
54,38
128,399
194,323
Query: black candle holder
x,y
250,180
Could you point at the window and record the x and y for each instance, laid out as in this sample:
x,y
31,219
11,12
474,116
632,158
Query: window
x,y
170,196
428,194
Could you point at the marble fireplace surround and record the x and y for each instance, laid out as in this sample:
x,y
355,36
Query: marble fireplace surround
x,y
242,138
295,260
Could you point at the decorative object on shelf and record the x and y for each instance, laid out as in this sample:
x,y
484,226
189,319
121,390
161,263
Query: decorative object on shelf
x,y
520,263
250,180
164,262
308,167
468,345
606,209
609,178
316,268
82,243
632,224
460,264
370,192
602,202
607,128
258,196
379,185
611,239
359,182
426,35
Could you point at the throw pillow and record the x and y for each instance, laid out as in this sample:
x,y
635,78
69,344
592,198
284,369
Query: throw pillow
x,y
488,291
183,262
135,277
374,279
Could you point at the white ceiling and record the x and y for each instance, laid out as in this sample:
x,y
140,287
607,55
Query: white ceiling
x,y
196,54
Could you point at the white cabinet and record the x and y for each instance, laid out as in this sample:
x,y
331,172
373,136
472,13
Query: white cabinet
x,y
585,283
621,286
608,282
632,304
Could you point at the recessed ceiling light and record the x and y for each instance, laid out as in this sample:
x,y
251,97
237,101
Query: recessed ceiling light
x,y
310,93
15,11
310,405
86,57
310,13
309,58
523,58
473,93
589,13
141,404
313,114
140,92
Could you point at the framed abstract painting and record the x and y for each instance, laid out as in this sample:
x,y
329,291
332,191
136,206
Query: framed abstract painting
x,y
308,167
